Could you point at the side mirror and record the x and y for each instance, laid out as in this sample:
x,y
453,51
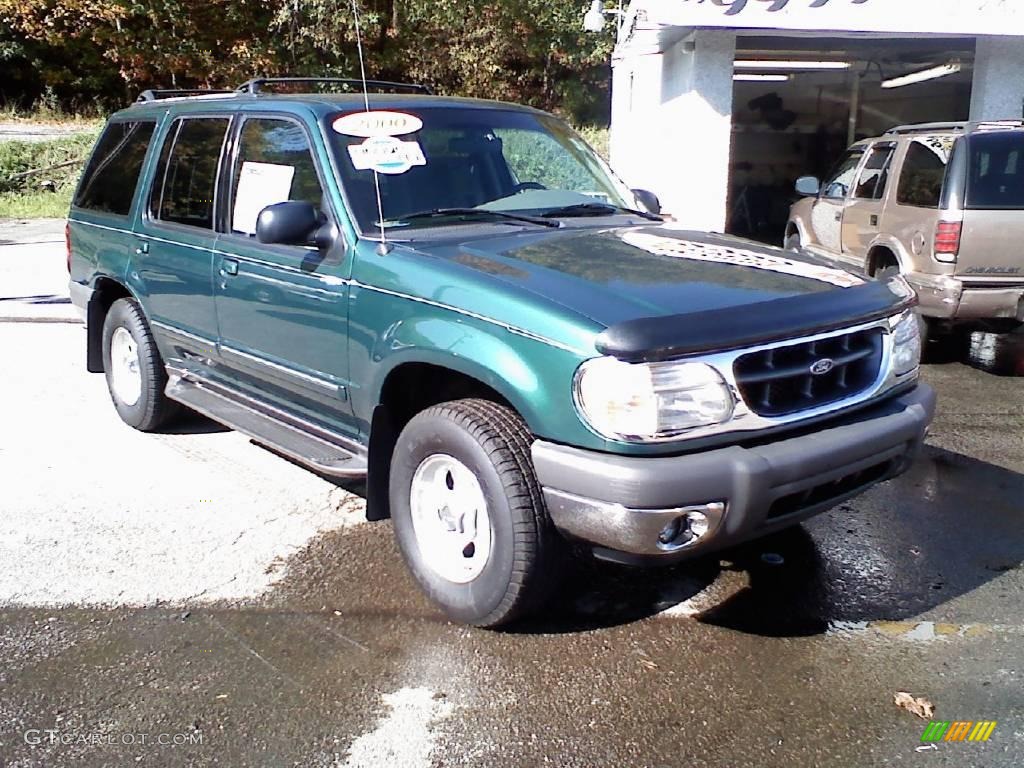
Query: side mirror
x,y
294,222
647,199
808,186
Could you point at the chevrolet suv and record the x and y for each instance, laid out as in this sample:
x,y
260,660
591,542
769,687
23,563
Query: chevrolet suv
x,y
940,204
458,302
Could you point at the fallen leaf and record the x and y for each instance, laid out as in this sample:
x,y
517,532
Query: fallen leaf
x,y
914,704
648,664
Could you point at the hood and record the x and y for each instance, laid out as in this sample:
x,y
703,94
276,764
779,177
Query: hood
x,y
614,275
639,277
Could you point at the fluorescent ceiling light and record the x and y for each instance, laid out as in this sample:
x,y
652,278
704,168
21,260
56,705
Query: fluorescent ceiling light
x,y
754,78
781,64
925,74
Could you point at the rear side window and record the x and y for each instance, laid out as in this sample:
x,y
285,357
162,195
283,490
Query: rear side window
x,y
185,183
274,164
109,181
924,171
875,176
995,180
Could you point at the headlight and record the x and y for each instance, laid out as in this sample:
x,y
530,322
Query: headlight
x,y
650,401
906,347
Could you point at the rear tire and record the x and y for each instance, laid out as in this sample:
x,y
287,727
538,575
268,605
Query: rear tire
x,y
469,515
134,369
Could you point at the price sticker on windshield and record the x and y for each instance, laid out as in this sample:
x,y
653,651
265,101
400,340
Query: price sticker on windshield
x,y
376,123
386,154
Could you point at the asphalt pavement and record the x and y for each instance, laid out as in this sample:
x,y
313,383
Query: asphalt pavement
x,y
190,598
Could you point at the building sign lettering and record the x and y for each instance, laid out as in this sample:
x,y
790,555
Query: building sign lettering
x,y
735,7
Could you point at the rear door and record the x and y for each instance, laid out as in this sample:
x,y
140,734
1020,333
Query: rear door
x,y
282,310
175,240
863,213
992,237
827,212
100,217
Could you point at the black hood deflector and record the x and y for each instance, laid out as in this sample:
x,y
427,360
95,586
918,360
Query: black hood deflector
x,y
661,338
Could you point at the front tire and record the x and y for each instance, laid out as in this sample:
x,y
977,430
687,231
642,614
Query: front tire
x,y
792,242
134,369
468,512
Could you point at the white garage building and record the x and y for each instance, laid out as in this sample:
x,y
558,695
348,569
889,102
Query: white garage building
x,y
719,105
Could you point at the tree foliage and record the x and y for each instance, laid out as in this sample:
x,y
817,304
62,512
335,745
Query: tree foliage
x,y
105,51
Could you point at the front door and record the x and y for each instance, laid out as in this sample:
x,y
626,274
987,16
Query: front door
x,y
175,238
827,212
862,217
282,310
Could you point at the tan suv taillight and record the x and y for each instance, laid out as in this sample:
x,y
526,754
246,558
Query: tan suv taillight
x,y
947,240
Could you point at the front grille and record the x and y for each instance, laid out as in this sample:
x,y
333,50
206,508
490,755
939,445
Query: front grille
x,y
821,494
779,381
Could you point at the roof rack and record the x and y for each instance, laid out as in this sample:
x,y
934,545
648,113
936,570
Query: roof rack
x,y
966,127
256,86
178,93
928,128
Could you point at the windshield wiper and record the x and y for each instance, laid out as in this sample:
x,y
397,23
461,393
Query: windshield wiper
x,y
597,209
438,212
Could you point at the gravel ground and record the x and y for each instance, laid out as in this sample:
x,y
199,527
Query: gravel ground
x,y
26,131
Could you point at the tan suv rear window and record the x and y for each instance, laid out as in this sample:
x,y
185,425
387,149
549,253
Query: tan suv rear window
x,y
995,179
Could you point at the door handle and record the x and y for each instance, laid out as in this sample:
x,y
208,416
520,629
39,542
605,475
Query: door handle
x,y
141,248
229,267
874,220
839,215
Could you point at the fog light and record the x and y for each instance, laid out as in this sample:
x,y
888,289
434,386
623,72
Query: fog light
x,y
671,532
687,529
698,524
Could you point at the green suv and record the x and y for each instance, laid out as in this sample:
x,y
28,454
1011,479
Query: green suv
x,y
460,303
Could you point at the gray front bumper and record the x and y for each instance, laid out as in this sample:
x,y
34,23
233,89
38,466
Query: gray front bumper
x,y
621,503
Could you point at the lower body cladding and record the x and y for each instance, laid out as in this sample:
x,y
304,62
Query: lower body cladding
x,y
949,298
650,509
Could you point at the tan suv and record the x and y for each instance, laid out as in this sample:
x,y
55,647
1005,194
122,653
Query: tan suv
x,y
943,204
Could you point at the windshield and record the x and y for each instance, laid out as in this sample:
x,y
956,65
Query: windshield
x,y
457,159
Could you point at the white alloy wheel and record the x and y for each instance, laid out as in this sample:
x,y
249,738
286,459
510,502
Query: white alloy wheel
x,y
450,519
125,373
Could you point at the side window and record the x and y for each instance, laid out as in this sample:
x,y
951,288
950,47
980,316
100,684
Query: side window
x,y
185,183
274,164
875,176
924,170
838,184
109,181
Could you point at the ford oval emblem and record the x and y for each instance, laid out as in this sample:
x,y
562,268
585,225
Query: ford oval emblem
x,y
823,366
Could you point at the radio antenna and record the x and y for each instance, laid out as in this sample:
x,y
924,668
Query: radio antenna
x,y
384,248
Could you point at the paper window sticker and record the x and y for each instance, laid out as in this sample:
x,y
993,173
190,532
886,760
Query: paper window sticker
x,y
259,185
387,155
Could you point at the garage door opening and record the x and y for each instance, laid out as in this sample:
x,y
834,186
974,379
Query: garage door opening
x,y
800,101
